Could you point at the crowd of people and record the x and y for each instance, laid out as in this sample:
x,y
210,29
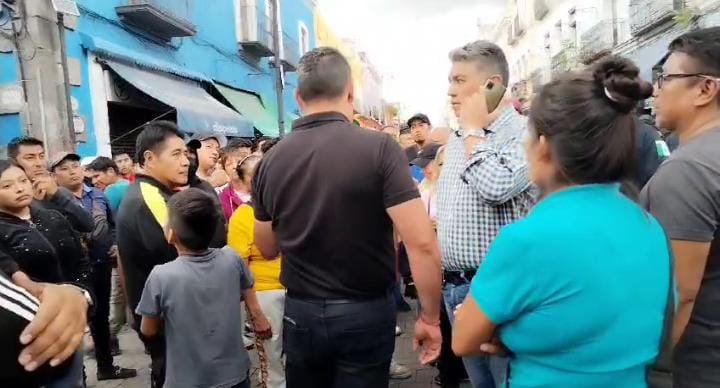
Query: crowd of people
x,y
564,246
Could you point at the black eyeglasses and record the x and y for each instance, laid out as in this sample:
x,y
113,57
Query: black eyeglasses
x,y
664,77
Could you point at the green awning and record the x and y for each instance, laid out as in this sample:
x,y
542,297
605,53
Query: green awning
x,y
251,107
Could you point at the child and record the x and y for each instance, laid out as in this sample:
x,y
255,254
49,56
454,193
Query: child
x,y
197,298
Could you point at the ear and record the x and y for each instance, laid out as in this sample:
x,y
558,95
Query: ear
x,y
497,79
709,92
149,156
351,92
169,234
543,149
299,100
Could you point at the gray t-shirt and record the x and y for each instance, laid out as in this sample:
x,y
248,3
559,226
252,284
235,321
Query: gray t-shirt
x,y
684,195
198,298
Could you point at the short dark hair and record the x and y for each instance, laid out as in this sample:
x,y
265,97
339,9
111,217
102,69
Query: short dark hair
x,y
323,73
13,148
486,52
119,154
703,46
421,117
268,145
234,144
192,215
587,118
153,136
243,166
256,143
5,165
103,163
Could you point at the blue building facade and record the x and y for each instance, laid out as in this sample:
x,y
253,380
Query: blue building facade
x,y
117,60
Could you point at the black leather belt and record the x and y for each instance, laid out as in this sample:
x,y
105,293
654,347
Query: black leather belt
x,y
458,277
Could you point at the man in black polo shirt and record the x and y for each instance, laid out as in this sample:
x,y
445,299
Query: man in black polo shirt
x,y
327,197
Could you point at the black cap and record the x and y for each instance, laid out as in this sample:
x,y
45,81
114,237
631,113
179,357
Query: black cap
x,y
418,117
427,154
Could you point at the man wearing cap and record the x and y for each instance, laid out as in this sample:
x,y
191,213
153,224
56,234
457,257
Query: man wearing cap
x,y
420,127
100,244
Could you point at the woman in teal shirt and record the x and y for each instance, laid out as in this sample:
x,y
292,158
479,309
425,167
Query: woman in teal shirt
x,y
577,290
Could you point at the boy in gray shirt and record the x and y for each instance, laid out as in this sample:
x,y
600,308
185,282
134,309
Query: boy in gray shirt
x,y
196,298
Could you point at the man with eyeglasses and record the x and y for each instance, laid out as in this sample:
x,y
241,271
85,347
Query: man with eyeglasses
x,y
684,195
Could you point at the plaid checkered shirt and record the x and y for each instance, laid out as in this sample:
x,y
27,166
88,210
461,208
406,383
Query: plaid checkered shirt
x,y
479,195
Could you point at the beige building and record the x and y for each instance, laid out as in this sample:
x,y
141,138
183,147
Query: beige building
x,y
545,37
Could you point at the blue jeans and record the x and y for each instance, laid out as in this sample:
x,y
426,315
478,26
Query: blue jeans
x,y
484,371
73,378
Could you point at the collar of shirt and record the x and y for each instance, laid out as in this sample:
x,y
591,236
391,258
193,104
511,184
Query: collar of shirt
x,y
156,183
318,119
87,190
498,124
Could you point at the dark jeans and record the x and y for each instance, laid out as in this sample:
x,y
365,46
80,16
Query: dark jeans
x,y
339,344
450,366
156,346
244,384
100,325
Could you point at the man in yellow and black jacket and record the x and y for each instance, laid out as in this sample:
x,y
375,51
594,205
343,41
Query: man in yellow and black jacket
x,y
162,155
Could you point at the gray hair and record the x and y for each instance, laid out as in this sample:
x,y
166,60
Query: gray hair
x,y
485,52
323,73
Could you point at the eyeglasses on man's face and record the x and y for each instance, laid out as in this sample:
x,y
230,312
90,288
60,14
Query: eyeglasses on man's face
x,y
662,78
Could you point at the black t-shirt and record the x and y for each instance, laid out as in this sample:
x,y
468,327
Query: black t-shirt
x,y
326,188
411,153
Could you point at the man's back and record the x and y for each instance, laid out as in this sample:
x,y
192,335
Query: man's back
x,y
198,298
326,188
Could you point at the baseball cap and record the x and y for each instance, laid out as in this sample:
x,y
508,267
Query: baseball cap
x,y
418,117
61,157
427,154
222,140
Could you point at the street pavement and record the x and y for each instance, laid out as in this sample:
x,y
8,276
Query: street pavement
x,y
134,357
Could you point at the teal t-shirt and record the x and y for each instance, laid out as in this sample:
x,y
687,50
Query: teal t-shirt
x,y
116,192
578,290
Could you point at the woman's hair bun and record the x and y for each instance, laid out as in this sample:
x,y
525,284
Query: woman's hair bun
x,y
618,80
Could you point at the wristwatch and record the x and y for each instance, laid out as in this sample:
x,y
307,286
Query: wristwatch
x,y
479,133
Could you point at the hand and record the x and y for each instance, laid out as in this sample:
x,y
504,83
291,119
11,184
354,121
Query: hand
x,y
473,110
427,342
495,347
44,187
262,328
57,330
22,280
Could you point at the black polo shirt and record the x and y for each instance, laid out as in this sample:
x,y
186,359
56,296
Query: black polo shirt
x,y
326,188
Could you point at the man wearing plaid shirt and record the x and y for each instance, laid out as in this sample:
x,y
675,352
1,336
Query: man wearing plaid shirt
x,y
484,183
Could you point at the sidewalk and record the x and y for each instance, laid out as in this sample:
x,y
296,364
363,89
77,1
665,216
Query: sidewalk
x,y
134,357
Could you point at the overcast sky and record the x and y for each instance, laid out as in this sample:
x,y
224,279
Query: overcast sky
x,y
409,40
